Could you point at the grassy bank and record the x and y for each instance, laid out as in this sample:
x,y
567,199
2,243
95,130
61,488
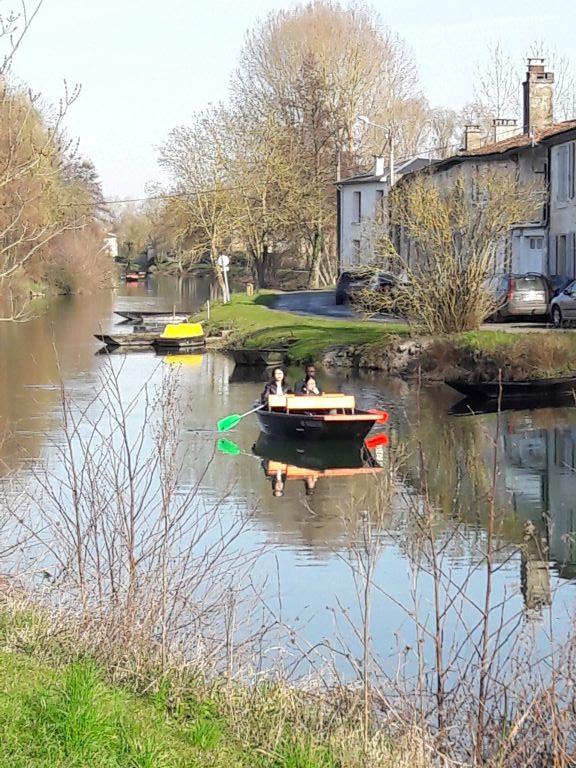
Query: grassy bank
x,y
393,347
255,325
62,709
518,355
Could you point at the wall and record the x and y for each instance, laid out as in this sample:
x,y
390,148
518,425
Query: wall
x,y
367,230
563,209
526,248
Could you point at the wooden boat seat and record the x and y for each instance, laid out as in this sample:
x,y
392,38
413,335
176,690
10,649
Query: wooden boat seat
x,y
292,403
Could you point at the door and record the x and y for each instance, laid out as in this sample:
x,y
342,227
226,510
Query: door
x,y
532,256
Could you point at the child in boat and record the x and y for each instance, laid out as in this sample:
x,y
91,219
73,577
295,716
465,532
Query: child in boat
x,y
276,386
310,386
309,372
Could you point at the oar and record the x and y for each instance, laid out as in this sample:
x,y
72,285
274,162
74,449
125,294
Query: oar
x,y
229,422
228,447
383,416
375,441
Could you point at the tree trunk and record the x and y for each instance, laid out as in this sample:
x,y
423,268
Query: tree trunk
x,y
261,268
317,247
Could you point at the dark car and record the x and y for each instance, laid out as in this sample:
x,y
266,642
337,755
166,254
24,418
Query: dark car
x,y
520,295
354,281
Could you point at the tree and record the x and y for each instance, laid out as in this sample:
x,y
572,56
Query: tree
x,y
45,190
311,71
455,232
193,155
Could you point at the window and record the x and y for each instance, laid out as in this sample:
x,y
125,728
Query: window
x,y
561,254
536,243
379,213
566,182
357,210
356,250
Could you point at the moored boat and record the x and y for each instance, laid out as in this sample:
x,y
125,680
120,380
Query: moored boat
x,y
259,358
181,336
319,417
174,336
527,388
138,315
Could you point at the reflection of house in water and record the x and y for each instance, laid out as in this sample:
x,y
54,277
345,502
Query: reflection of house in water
x,y
540,476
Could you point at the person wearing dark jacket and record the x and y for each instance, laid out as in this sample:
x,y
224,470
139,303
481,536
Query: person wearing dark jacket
x,y
276,386
302,386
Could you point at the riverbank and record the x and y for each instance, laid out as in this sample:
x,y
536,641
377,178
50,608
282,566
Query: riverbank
x,y
255,325
392,347
61,706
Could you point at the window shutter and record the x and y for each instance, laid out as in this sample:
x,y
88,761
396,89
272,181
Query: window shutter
x,y
571,169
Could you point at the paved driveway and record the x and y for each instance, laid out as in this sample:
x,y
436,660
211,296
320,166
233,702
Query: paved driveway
x,y
322,304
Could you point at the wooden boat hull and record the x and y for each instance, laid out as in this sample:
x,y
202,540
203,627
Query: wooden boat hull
x,y
148,339
136,339
153,316
258,357
528,389
316,426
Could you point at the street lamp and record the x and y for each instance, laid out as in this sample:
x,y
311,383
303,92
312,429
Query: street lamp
x,y
388,131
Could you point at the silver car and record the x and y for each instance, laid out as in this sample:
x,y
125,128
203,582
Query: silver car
x,y
563,306
519,295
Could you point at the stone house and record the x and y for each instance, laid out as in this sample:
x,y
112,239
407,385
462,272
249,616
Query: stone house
x,y
540,155
362,210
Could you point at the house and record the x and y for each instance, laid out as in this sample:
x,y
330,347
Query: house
x,y
362,210
111,245
538,155
562,202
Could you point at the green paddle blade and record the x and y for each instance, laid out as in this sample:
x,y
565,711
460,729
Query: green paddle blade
x,y
228,447
228,422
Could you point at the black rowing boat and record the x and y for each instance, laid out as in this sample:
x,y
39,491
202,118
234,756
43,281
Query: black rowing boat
x,y
317,426
525,389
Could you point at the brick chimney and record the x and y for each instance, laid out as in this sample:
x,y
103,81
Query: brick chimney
x,y
538,97
472,137
503,128
378,166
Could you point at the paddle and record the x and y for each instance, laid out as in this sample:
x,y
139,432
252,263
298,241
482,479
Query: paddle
x,y
228,447
376,440
383,416
229,422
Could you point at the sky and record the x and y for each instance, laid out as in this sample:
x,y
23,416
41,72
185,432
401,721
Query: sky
x,y
146,65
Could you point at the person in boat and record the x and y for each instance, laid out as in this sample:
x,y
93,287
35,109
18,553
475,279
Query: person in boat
x,y
310,386
276,386
309,373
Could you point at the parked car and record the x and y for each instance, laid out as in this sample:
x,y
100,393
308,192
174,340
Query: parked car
x,y
354,281
563,306
520,295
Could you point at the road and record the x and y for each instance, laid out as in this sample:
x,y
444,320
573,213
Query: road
x,y
322,304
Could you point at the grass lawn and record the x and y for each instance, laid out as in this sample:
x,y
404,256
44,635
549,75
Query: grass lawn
x,y
256,325
60,709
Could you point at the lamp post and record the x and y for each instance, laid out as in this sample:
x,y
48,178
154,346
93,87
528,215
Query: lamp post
x,y
389,137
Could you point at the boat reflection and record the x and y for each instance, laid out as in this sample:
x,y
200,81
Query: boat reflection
x,y
288,460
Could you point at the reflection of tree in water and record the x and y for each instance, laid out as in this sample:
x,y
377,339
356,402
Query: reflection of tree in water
x,y
34,358
535,492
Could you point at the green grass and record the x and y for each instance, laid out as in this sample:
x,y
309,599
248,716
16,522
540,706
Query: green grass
x,y
59,709
518,355
256,325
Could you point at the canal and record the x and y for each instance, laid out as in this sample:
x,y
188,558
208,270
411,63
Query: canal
x,y
313,536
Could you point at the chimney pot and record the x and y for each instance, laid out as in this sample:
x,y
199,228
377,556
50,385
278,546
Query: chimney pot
x,y
503,128
378,166
472,137
538,91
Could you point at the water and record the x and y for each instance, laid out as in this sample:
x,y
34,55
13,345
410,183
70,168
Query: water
x,y
311,533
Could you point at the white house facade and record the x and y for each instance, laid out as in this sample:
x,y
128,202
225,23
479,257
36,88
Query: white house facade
x,y
562,216
363,211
